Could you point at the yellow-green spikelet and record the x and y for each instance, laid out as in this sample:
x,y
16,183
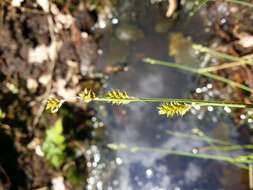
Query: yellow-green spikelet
x,y
173,108
87,95
118,97
53,104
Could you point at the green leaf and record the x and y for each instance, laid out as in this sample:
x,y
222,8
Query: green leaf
x,y
54,144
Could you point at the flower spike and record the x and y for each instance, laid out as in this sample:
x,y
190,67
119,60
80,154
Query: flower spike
x,y
53,104
118,97
87,95
173,108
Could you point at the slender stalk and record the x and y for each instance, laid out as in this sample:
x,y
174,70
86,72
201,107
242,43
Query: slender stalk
x,y
221,67
188,154
223,145
201,138
227,148
237,60
187,101
204,49
227,81
182,153
192,70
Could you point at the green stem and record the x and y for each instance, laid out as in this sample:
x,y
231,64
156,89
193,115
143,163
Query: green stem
x,y
188,154
192,70
198,155
181,153
187,101
227,81
242,60
201,138
227,148
221,66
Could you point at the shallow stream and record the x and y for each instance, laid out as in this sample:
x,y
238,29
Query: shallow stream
x,y
144,31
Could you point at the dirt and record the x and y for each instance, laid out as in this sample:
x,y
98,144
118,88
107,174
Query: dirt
x,y
26,82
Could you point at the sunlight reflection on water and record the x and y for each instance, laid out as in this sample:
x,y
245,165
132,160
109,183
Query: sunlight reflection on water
x,y
138,124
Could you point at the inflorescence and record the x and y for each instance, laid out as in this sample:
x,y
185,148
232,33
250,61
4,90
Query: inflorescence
x,y
168,107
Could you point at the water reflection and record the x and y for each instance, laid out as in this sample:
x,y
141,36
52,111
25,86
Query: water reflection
x,y
138,124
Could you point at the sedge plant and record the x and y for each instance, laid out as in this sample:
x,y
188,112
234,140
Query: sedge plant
x,y
168,106
171,107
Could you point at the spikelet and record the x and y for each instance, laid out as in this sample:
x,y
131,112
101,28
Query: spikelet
x,y
53,104
173,108
118,97
87,95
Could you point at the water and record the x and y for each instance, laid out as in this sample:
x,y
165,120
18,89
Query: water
x,y
147,34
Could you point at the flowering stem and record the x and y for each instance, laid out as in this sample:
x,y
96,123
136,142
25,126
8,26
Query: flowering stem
x,y
168,106
186,101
